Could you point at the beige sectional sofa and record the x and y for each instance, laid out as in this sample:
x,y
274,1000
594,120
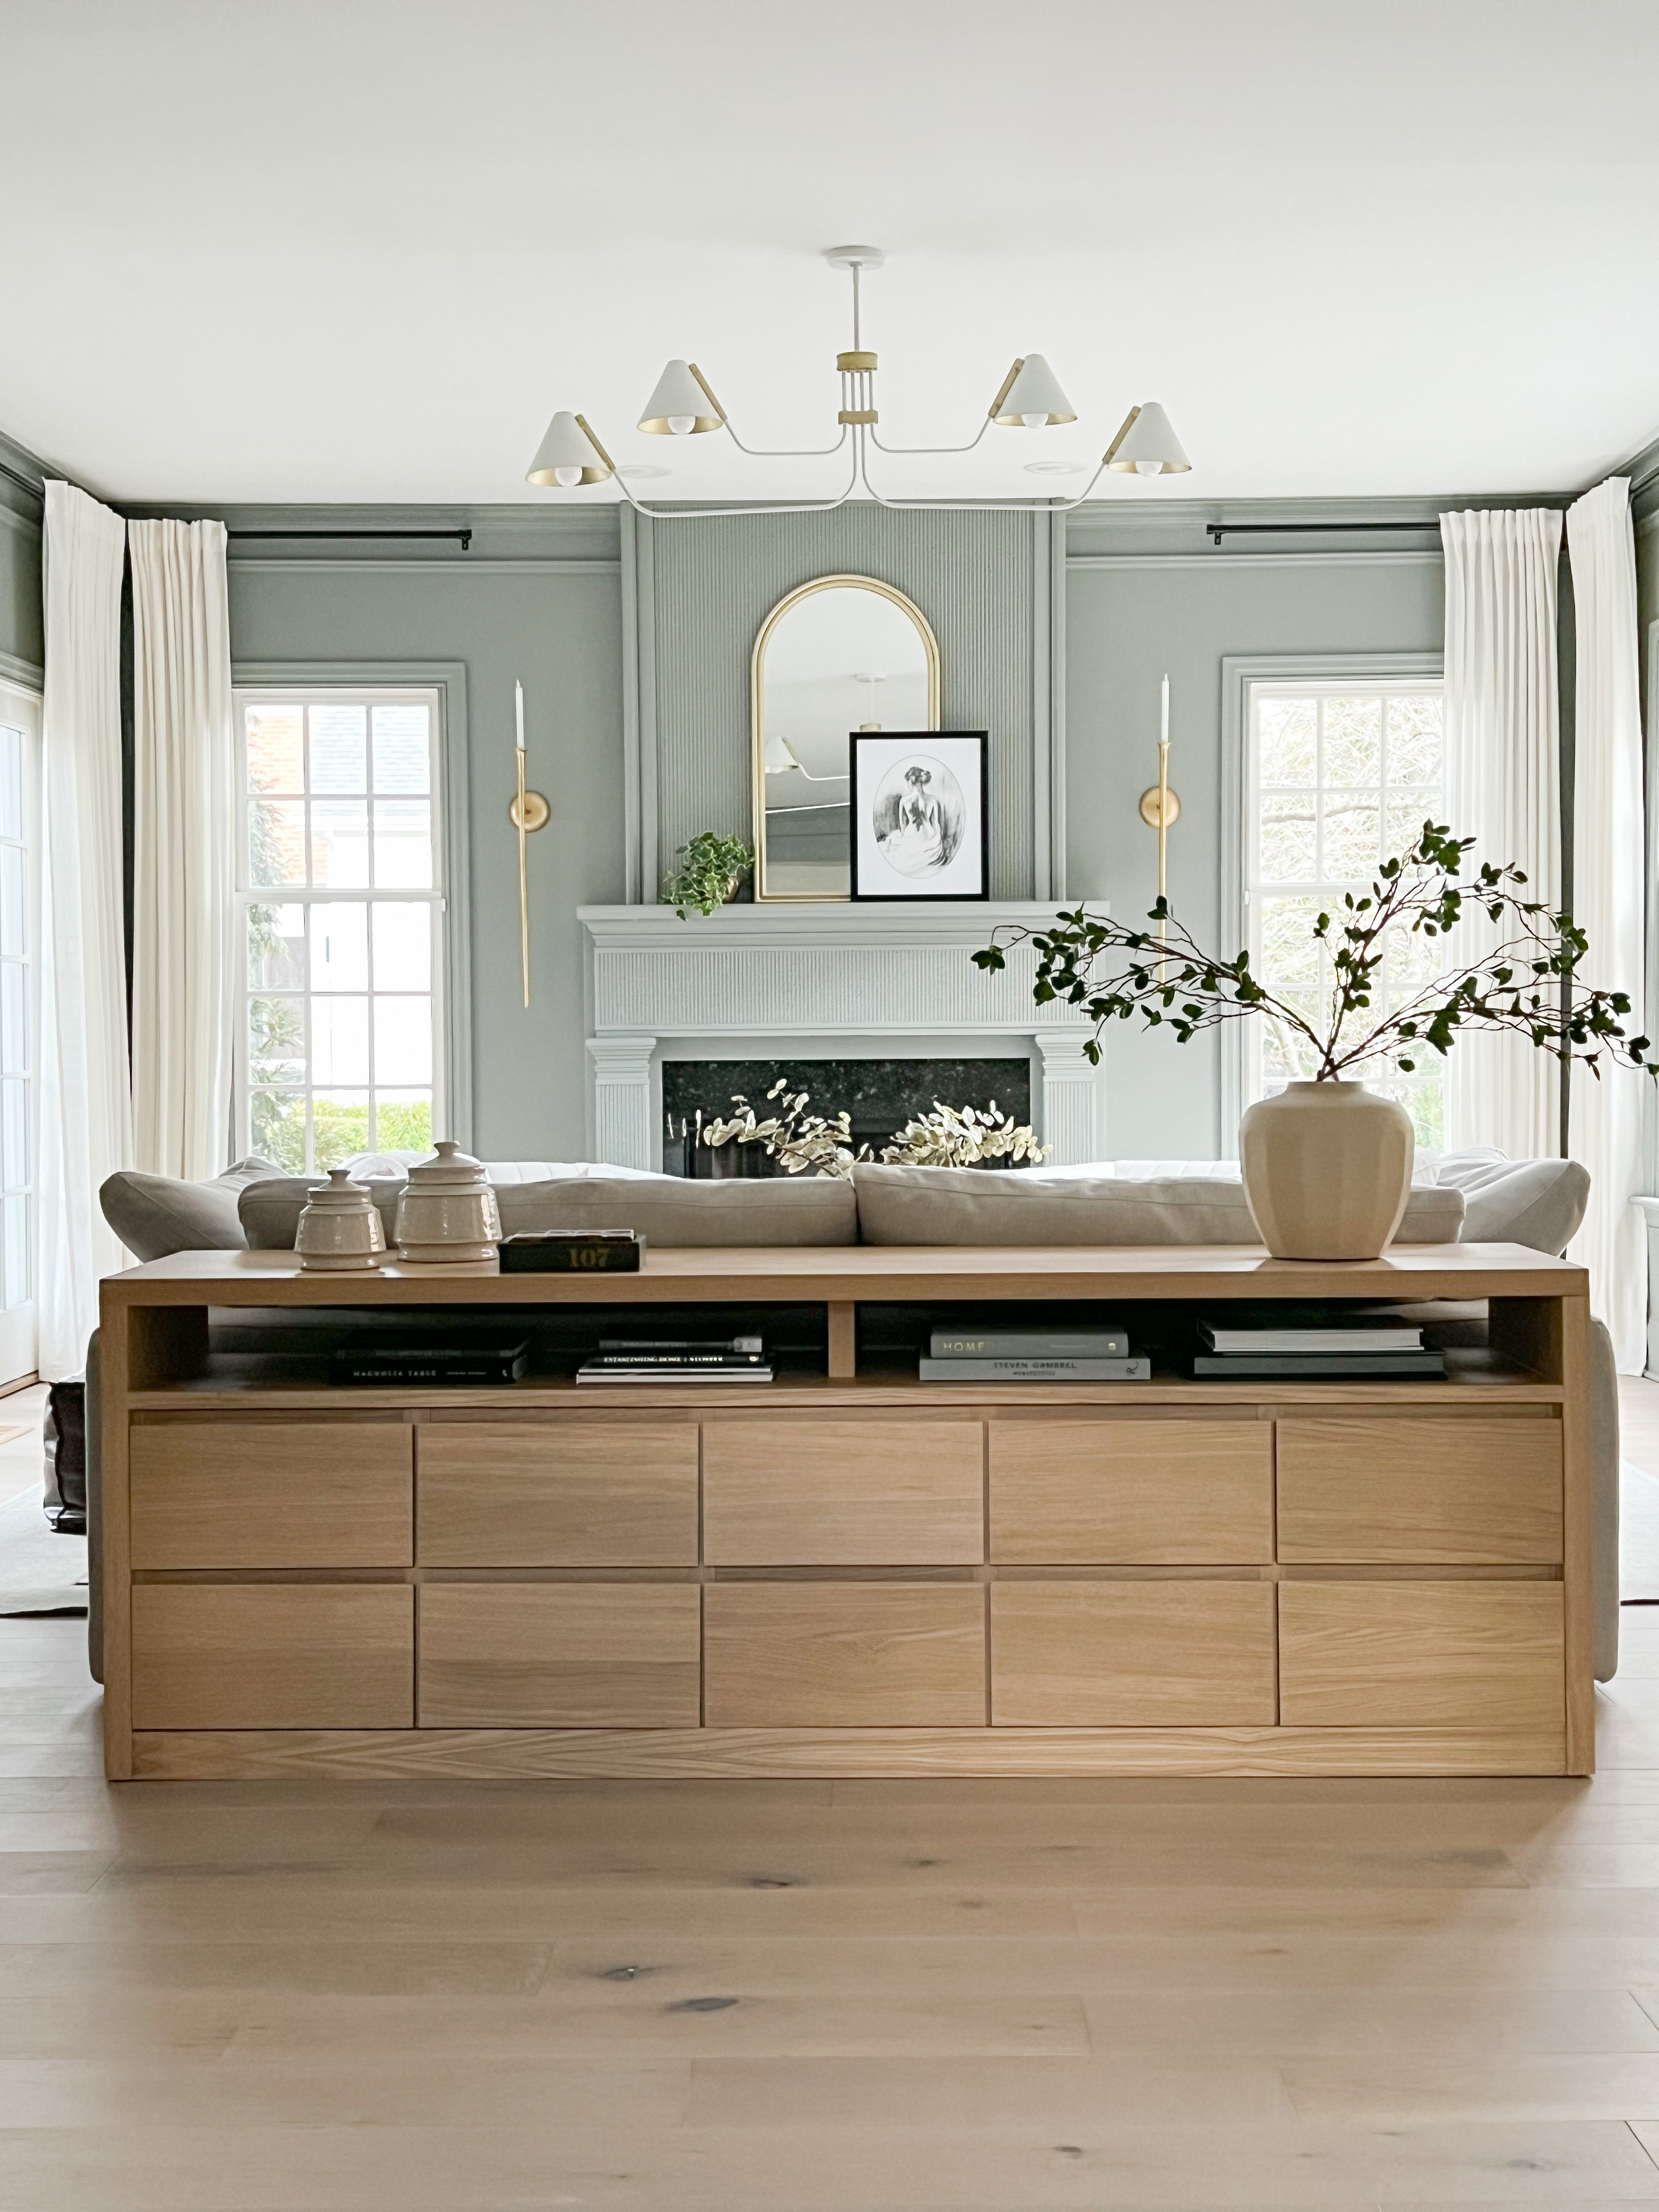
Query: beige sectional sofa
x,y
1474,1197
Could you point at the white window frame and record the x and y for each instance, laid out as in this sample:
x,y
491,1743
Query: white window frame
x,y
1242,676
441,688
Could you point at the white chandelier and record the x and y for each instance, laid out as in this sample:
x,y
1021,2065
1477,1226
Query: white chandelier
x,y
683,405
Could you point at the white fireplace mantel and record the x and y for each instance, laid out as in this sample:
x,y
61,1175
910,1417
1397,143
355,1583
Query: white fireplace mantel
x,y
661,989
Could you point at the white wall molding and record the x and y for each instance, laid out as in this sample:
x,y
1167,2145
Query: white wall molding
x,y
445,564
29,675
1399,558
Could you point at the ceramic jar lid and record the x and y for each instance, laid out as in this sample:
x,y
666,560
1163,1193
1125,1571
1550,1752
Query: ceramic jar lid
x,y
453,1170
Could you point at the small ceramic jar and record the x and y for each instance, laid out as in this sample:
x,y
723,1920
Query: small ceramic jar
x,y
447,1211
339,1226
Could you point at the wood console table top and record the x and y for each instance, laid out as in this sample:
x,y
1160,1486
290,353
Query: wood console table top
x,y
869,1272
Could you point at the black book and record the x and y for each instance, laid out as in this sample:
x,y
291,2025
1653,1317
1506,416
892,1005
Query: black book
x,y
1317,1366
367,1357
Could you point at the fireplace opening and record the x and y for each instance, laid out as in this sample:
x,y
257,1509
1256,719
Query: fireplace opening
x,y
879,1096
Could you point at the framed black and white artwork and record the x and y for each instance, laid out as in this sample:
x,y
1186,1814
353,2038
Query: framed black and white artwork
x,y
918,803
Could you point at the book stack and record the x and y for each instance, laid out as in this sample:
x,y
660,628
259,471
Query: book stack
x,y
1027,1355
676,1359
1326,1350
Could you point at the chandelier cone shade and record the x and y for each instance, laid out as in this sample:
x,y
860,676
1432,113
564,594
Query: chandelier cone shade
x,y
568,455
1147,445
679,407
1034,400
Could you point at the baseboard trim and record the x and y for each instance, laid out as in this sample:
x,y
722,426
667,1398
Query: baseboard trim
x,y
835,1753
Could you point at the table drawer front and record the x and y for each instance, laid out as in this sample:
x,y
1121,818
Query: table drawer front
x,y
273,1655
272,1494
1421,1654
1130,1492
844,1655
559,1655
558,1494
817,1493
1143,1654
1433,1492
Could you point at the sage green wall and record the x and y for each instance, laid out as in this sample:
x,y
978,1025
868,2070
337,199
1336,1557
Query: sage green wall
x,y
539,598
555,624
1130,617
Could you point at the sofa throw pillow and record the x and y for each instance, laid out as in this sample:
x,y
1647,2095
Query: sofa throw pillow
x,y
155,1216
271,1210
1014,1206
1537,1203
674,1211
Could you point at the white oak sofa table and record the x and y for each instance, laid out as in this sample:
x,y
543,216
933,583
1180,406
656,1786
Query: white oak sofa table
x,y
852,1572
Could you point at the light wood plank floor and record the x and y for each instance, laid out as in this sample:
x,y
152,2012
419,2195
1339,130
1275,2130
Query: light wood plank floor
x,y
968,1996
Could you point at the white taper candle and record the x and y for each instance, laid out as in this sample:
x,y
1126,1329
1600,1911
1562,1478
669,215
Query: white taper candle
x,y
518,708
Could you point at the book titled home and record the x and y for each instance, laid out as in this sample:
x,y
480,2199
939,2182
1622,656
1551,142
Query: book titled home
x,y
1029,1344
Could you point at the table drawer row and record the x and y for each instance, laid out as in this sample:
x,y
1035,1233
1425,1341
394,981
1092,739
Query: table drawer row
x,y
861,1491
1142,1652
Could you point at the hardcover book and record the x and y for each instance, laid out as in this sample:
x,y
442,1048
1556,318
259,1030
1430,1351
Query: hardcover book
x,y
1134,1369
1029,1344
572,1252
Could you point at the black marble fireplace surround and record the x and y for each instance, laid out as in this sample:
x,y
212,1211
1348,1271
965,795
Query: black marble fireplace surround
x,y
880,1095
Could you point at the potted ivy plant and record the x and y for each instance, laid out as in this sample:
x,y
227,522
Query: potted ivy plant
x,y
1327,1164
707,873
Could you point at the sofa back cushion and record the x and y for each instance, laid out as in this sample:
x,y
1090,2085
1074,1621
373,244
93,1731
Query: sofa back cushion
x,y
155,1216
1018,1206
667,1210
675,1211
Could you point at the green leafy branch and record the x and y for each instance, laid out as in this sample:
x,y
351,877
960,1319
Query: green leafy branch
x,y
1525,985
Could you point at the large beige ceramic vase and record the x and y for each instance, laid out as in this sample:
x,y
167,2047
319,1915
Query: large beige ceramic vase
x,y
1328,1170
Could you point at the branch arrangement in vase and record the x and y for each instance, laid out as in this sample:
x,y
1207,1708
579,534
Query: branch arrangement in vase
x,y
1525,982
948,1136
706,873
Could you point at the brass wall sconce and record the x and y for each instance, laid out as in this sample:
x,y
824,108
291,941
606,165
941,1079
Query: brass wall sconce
x,y
527,812
1160,806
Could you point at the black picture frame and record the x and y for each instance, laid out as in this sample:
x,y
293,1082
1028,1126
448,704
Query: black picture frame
x,y
875,760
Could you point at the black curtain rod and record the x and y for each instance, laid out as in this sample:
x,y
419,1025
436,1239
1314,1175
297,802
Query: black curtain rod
x,y
1219,530
463,536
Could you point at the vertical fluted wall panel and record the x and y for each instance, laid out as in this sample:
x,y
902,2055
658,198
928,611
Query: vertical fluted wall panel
x,y
972,574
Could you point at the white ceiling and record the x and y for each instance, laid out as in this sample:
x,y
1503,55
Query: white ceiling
x,y
361,249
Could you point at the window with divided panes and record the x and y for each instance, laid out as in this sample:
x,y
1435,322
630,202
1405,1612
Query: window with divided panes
x,y
1341,778
342,914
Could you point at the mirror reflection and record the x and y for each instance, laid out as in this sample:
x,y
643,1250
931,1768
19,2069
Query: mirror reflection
x,y
841,654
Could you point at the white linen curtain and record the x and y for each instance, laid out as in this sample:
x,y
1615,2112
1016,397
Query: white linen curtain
x,y
1605,1118
85,1118
1503,788
183,982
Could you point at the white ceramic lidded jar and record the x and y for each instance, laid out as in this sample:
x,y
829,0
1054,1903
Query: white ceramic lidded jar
x,y
339,1226
447,1211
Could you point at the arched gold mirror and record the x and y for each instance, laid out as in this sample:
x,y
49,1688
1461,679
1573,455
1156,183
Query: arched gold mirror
x,y
842,653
